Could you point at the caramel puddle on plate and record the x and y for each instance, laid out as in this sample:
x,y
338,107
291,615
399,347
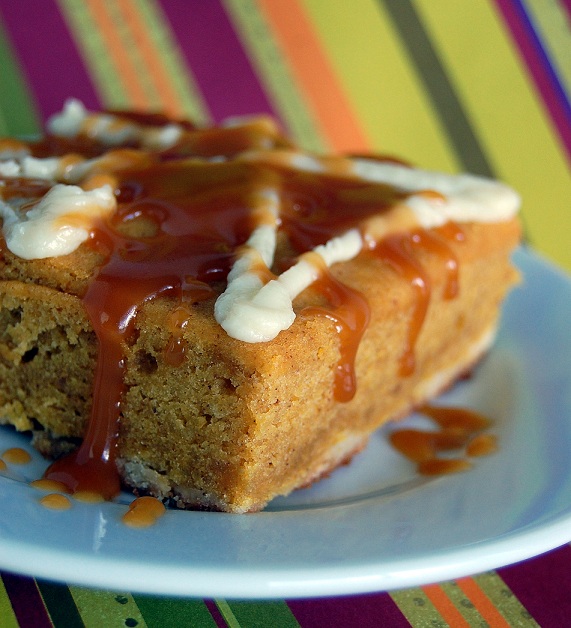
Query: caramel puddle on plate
x,y
16,455
143,512
460,430
56,501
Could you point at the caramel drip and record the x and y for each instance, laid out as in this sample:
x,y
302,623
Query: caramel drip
x,y
176,350
432,243
349,311
397,251
460,429
112,301
451,231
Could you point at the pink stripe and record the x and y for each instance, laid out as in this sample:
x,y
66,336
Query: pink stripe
x,y
365,611
50,60
542,585
26,601
216,614
539,67
216,57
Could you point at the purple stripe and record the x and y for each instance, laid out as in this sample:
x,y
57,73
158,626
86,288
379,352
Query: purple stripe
x,y
542,585
26,601
365,611
216,614
216,58
50,60
539,66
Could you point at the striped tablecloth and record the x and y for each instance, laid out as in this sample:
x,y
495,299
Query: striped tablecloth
x,y
479,85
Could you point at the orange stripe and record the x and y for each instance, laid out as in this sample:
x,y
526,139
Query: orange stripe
x,y
163,87
443,604
482,603
119,57
327,101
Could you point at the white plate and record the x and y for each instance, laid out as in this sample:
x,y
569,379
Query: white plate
x,y
374,525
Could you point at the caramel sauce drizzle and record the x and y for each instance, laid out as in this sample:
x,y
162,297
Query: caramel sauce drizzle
x,y
349,311
397,252
180,222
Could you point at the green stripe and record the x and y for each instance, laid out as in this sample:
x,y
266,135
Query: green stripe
x,y
504,600
161,612
448,107
106,608
417,608
18,115
257,614
227,613
7,617
179,74
274,73
60,604
94,52
131,48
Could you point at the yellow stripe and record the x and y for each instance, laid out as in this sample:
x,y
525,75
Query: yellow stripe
x,y
180,76
507,115
274,73
326,99
104,608
7,616
107,82
415,605
91,46
111,84
148,98
465,607
504,600
439,595
380,82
